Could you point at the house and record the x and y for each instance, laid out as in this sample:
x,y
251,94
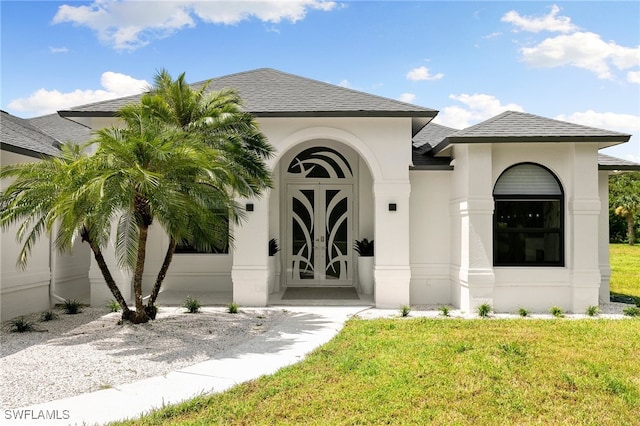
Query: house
x,y
49,277
512,211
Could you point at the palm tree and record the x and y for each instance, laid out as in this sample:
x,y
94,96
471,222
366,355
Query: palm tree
x,y
628,206
180,170
214,118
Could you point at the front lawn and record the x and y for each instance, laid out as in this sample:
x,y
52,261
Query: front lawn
x,y
625,269
444,371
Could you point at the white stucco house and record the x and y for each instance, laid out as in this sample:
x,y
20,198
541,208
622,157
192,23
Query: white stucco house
x,y
512,211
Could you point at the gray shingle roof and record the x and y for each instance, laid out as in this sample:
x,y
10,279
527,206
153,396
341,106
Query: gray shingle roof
x,y
430,136
62,129
423,143
19,136
512,126
269,92
607,162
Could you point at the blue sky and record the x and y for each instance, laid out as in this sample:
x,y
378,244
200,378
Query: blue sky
x,y
575,61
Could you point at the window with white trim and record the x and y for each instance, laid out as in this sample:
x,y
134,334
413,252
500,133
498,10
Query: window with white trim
x,y
528,219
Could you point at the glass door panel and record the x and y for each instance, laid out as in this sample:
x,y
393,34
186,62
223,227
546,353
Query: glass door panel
x,y
319,249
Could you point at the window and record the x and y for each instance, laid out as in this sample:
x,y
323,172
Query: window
x,y
528,220
220,246
186,248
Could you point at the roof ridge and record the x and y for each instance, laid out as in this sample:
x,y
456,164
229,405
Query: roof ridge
x,y
313,80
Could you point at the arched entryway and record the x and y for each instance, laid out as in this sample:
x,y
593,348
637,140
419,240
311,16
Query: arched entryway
x,y
319,214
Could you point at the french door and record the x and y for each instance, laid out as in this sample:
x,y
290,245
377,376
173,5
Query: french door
x,y
319,235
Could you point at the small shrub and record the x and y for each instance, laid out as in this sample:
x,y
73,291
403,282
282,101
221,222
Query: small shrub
x,y
523,312
192,305
404,310
232,308
21,325
593,310
273,247
113,306
364,247
72,307
632,312
556,311
444,310
484,310
48,316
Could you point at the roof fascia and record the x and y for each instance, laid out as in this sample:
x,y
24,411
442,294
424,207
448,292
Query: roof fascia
x,y
24,151
607,141
614,168
427,115
432,167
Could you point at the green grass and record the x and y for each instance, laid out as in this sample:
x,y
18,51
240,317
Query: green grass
x,y
625,269
443,371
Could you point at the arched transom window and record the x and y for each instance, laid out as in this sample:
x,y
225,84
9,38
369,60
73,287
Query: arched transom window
x,y
528,223
320,162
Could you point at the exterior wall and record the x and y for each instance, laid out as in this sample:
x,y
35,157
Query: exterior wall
x,y
70,274
430,237
22,291
474,279
200,272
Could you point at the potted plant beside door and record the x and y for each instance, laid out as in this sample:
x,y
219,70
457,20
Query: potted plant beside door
x,y
272,264
364,248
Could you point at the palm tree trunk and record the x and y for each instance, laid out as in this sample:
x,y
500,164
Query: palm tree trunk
x,y
630,231
141,314
168,257
127,314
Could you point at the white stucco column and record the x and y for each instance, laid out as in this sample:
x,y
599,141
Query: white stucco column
x,y
585,209
392,272
603,243
473,208
476,276
100,293
250,255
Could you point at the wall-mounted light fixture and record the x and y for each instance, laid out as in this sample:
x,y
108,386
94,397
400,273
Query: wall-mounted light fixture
x,y
249,207
393,207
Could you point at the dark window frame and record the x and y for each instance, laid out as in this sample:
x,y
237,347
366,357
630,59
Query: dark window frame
x,y
185,248
516,198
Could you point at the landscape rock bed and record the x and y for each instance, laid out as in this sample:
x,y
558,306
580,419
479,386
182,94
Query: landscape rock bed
x,y
89,351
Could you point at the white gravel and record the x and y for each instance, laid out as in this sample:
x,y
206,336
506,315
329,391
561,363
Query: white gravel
x,y
81,353
90,351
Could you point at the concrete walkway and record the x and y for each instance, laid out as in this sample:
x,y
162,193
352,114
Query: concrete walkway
x,y
283,345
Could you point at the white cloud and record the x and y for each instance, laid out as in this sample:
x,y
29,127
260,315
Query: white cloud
x,y
55,50
550,22
580,49
131,24
274,11
633,77
624,123
478,107
583,50
407,97
422,73
492,35
344,83
44,101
